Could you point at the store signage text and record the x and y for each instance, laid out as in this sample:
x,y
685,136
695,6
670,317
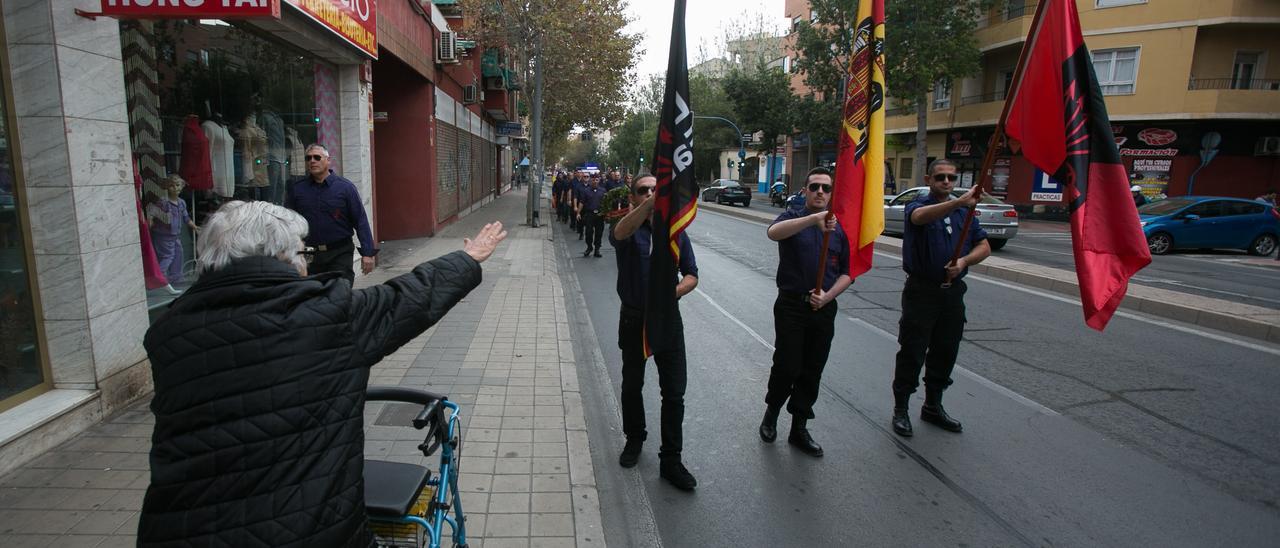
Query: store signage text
x,y
356,21
1158,152
191,9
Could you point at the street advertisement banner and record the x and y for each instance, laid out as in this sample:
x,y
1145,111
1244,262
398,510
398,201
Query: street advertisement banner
x,y
355,21
1152,174
1000,177
191,9
1163,141
1045,188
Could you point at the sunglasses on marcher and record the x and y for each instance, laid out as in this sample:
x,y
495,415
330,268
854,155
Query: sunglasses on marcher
x,y
939,177
314,157
643,190
814,187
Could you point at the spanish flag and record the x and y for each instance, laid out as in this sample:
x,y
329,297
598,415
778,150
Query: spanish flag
x,y
858,197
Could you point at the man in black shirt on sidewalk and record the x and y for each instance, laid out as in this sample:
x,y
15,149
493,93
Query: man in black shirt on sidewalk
x,y
589,215
804,317
632,238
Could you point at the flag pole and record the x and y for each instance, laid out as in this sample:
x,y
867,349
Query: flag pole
x,y
997,139
826,239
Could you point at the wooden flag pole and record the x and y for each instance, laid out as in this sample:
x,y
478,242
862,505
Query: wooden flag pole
x,y
997,140
826,239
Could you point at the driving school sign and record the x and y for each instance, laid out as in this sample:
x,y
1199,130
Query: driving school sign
x,y
191,9
355,21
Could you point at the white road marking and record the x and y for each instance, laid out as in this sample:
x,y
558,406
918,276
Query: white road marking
x,y
1177,283
1039,249
731,317
1129,315
976,377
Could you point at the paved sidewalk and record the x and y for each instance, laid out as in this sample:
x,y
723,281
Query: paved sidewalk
x,y
1238,318
504,354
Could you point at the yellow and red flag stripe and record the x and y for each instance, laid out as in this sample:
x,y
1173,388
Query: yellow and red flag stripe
x,y
858,197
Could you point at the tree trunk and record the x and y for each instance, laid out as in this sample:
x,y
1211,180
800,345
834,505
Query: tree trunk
x,y
535,163
922,141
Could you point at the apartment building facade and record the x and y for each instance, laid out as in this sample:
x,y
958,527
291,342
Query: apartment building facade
x,y
1192,89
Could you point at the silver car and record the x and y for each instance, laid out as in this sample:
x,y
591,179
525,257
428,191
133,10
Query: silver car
x,y
999,219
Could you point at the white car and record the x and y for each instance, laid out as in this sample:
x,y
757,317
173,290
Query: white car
x,y
999,219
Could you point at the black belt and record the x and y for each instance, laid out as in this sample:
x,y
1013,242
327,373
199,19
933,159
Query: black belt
x,y
793,296
333,245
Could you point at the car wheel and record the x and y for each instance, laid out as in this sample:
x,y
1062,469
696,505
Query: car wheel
x,y
746,203
1160,243
1263,245
996,244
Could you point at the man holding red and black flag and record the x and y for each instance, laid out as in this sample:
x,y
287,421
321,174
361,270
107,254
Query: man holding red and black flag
x,y
652,250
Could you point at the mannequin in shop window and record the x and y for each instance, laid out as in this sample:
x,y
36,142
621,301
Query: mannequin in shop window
x,y
253,154
167,216
221,157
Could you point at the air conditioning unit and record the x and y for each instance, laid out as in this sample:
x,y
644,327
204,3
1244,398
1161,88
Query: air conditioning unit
x,y
495,83
447,50
1267,146
470,94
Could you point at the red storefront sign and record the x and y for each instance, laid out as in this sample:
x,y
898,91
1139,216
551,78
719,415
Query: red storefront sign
x,y
190,9
356,21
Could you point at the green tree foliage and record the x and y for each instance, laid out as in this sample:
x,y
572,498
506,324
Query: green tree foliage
x,y
926,41
587,58
763,99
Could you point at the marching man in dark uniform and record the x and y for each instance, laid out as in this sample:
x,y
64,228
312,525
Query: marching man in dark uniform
x,y
631,237
804,317
589,201
932,321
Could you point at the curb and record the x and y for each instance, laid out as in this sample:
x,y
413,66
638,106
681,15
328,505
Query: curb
x,y
1245,320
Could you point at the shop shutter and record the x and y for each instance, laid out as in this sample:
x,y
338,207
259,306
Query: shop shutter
x,y
477,169
466,175
447,167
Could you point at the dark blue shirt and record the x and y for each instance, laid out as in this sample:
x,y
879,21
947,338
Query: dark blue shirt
x,y
591,196
333,211
575,189
633,264
926,249
798,256
610,184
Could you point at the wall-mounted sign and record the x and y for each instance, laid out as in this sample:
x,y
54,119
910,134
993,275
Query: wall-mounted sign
x,y
1152,175
355,21
510,128
191,9
1163,141
1000,173
1045,188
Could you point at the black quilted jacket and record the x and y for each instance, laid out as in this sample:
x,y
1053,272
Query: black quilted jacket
x,y
260,380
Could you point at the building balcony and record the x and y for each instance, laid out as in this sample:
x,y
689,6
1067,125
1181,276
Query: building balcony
x,y
1007,26
1196,84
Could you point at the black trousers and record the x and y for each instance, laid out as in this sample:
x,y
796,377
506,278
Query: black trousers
x,y
802,341
595,229
672,377
929,334
573,221
336,259
562,211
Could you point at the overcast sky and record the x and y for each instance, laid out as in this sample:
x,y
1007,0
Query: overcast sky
x,y
707,22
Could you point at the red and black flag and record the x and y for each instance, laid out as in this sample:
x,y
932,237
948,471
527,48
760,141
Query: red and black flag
x,y
1058,118
675,202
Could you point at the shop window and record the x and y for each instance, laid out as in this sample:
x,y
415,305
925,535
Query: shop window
x,y
22,374
1117,70
228,121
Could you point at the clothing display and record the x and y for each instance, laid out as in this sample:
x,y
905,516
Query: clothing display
x,y
150,265
277,153
222,161
168,216
297,154
253,153
195,168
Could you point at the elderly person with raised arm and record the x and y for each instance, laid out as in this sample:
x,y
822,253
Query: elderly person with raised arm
x,y
260,374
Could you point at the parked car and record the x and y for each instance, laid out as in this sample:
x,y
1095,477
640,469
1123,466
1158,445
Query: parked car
x,y
1207,222
999,219
736,192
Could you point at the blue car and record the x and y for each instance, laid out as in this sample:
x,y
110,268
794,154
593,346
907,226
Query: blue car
x,y
1209,222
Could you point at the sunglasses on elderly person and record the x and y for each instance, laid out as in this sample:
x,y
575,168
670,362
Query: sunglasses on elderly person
x,y
314,157
643,190
814,187
939,177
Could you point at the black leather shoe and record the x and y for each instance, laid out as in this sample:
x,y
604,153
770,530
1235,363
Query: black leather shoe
x,y
630,453
769,426
674,472
597,253
587,253
936,415
800,438
902,423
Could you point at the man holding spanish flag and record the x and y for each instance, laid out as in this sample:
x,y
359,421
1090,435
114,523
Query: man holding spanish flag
x,y
825,246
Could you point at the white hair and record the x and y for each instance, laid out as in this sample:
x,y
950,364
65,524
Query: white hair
x,y
251,229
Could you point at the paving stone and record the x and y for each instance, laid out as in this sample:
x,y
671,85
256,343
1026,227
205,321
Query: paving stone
x,y
551,525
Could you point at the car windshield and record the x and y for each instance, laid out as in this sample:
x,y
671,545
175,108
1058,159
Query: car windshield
x,y
1165,207
986,198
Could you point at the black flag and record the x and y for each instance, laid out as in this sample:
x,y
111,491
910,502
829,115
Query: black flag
x,y
675,203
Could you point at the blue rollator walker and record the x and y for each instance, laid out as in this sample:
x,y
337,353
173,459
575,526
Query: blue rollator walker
x,y
406,504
